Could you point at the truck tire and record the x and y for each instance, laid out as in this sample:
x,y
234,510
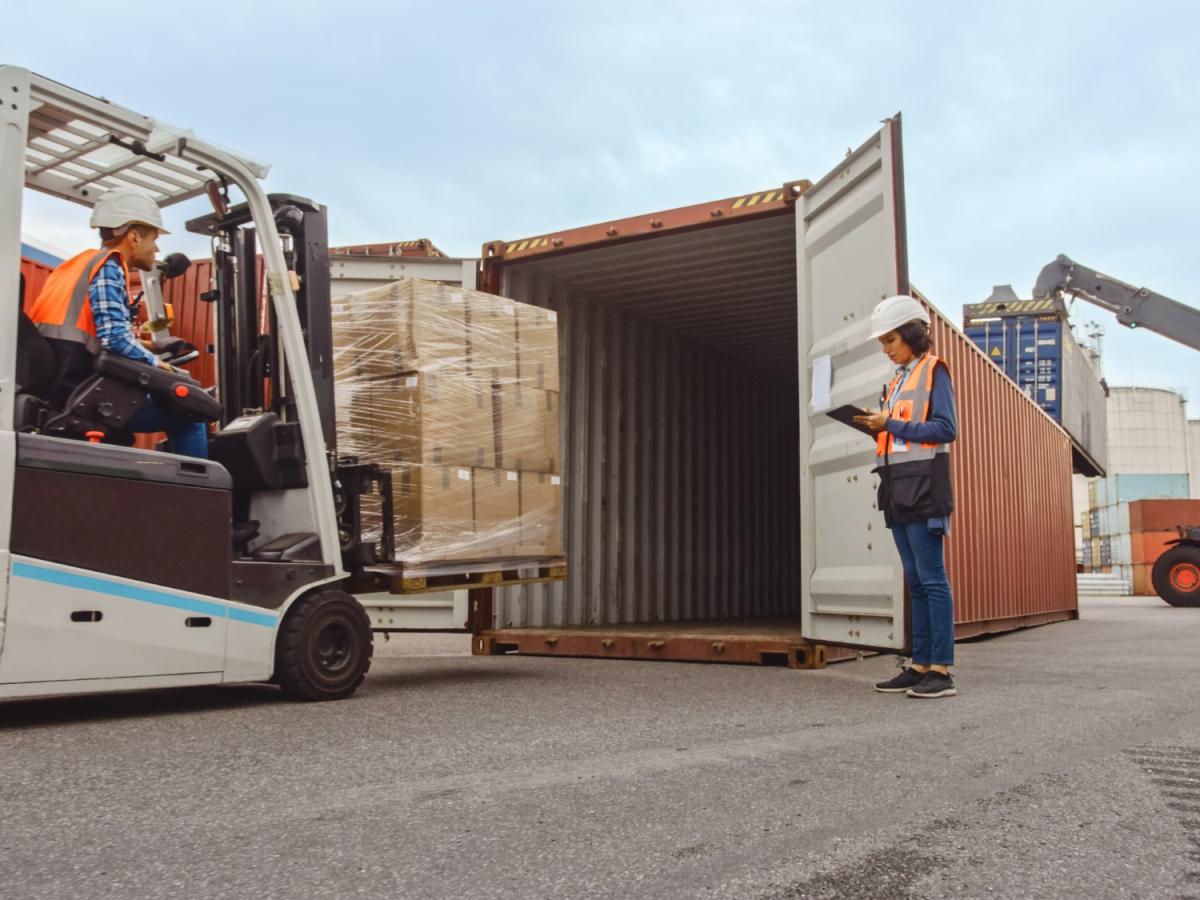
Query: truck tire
x,y
1176,575
324,647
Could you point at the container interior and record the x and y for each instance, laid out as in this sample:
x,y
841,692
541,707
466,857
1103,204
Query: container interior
x,y
680,427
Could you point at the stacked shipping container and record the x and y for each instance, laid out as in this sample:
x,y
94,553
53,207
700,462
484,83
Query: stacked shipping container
x,y
1031,340
1127,538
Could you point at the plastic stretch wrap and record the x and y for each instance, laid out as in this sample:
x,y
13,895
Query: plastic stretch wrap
x,y
457,392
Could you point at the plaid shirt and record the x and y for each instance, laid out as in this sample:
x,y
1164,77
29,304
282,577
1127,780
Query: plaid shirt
x,y
112,313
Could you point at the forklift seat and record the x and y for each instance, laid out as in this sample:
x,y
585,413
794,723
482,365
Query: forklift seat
x,y
36,365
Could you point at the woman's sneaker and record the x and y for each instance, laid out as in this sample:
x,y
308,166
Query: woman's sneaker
x,y
908,678
934,684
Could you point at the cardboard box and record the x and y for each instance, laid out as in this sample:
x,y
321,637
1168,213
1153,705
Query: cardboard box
x,y
497,511
537,347
420,417
492,337
527,429
541,514
434,510
403,326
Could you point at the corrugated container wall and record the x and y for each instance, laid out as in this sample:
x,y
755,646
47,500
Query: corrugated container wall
x,y
35,275
680,411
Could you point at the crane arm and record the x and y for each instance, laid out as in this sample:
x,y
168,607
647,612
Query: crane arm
x,y
1134,307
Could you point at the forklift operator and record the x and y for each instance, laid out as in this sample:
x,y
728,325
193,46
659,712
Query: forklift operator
x,y
130,223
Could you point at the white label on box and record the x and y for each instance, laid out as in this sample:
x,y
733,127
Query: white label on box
x,y
464,474
553,316
554,479
411,381
512,476
510,310
456,298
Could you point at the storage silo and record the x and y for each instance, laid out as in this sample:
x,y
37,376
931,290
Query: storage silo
x,y
1147,432
1193,434
1148,459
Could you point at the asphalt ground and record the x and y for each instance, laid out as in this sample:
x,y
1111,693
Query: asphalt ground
x,y
1068,766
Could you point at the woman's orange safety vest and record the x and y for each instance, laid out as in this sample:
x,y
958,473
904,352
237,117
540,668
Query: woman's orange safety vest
x,y
909,402
62,310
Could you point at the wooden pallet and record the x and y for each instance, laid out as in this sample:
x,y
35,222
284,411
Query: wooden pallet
x,y
401,579
745,642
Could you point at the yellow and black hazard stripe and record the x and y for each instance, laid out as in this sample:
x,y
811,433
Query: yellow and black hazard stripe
x,y
1011,308
529,244
756,199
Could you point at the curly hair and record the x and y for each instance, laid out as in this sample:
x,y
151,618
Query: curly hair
x,y
916,335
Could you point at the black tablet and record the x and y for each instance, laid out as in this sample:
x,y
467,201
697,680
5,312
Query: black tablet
x,y
845,415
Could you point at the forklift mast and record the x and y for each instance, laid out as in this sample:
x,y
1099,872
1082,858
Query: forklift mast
x,y
250,366
248,359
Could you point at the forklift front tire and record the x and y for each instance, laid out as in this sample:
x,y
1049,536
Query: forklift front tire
x,y
1176,575
324,647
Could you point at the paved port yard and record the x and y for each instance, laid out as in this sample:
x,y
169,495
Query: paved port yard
x,y
1068,766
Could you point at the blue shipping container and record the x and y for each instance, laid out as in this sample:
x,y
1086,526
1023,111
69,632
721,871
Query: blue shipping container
x,y
1029,350
1039,353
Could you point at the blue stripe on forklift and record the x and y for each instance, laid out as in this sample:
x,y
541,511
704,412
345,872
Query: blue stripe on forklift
x,y
143,595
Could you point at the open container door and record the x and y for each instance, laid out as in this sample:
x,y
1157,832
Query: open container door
x,y
850,253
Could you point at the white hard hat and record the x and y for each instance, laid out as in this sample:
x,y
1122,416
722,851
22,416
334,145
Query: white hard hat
x,y
127,206
893,312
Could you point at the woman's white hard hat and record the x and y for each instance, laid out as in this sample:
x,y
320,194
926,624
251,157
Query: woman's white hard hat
x,y
127,206
893,312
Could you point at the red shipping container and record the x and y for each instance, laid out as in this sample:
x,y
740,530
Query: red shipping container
x,y
1162,515
1148,546
35,274
1143,586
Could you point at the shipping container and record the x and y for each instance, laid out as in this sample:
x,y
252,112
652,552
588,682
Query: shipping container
x,y
1032,342
1122,549
1163,515
422,247
1085,521
1118,518
1147,546
33,275
699,349
1130,486
1142,581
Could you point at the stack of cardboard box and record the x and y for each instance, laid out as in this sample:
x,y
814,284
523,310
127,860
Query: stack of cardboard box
x,y
457,391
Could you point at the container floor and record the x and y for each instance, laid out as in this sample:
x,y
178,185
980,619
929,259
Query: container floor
x,y
763,642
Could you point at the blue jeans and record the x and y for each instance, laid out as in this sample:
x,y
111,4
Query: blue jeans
x,y
184,437
929,590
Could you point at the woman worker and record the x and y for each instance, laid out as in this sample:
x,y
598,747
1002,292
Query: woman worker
x,y
914,428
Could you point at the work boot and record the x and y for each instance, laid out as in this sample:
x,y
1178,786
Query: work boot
x,y
934,684
908,678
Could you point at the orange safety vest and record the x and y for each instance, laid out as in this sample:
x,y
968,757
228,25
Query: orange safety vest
x,y
62,310
904,400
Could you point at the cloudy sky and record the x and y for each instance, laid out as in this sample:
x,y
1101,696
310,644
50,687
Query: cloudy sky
x,y
1031,129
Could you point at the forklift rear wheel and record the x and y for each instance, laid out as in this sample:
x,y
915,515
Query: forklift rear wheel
x,y
324,647
1176,575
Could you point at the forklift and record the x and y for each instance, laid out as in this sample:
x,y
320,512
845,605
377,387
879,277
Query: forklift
x,y
1176,573
124,568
